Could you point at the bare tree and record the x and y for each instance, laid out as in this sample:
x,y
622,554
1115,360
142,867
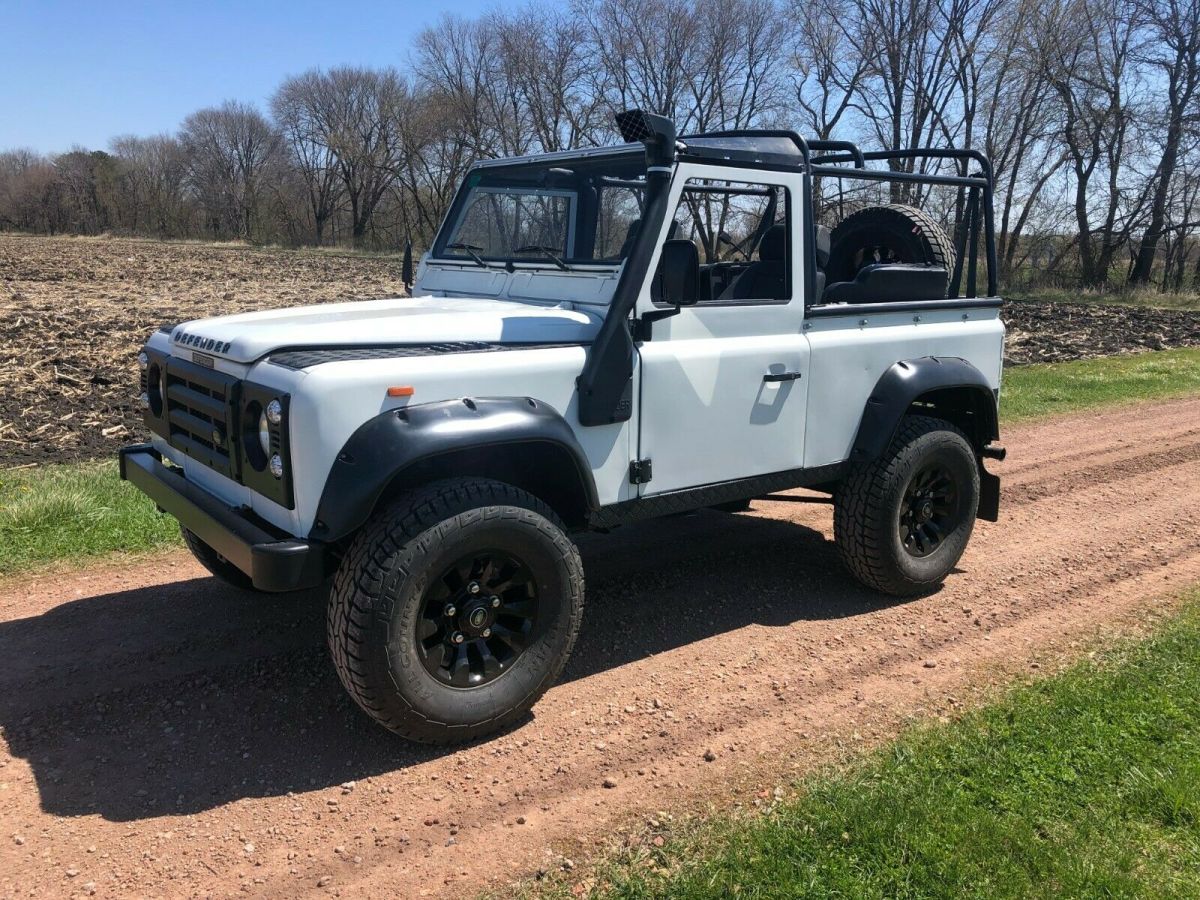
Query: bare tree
x,y
462,62
299,107
548,77
828,65
1172,51
643,54
229,149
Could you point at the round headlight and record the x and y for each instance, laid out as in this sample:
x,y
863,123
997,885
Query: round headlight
x,y
264,434
143,360
274,412
277,466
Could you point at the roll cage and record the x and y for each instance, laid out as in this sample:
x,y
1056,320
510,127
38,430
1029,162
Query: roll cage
x,y
605,384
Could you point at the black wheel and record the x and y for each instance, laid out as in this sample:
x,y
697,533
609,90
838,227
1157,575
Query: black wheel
x,y
455,609
893,233
902,522
733,506
216,563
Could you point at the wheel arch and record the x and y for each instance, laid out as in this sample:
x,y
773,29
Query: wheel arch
x,y
942,387
517,440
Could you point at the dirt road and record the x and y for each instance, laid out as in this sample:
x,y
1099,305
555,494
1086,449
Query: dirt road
x,y
166,736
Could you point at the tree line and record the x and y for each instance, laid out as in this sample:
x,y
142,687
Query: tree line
x,y
1088,110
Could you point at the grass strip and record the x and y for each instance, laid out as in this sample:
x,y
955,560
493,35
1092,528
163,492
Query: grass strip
x,y
1036,391
73,512
1086,784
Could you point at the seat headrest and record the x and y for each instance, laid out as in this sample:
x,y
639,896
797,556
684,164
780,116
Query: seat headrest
x,y
773,246
823,244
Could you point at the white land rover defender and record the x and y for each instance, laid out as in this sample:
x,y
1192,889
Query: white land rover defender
x,y
595,337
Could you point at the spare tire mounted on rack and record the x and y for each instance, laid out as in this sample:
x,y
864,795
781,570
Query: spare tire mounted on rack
x,y
870,251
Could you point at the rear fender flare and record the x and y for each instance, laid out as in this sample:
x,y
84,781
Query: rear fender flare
x,y
941,386
908,382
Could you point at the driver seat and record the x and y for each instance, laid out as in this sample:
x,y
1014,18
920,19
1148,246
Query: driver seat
x,y
767,278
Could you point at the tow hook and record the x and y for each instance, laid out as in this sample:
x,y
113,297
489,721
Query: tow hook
x,y
992,451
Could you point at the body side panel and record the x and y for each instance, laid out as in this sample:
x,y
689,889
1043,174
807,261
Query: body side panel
x,y
851,353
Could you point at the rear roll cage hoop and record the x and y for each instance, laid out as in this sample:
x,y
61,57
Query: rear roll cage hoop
x,y
980,184
836,153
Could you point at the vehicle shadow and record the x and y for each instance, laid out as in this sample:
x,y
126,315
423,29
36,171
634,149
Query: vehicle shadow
x,y
180,698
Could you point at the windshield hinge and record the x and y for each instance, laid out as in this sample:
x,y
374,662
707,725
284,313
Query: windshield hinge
x,y
643,327
640,471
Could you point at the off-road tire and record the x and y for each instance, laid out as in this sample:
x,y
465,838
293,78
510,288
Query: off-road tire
x,y
379,592
906,233
216,563
869,502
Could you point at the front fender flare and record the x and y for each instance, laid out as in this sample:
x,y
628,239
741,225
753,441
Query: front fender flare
x,y
383,447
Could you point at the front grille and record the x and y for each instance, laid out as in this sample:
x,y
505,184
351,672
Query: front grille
x,y
200,404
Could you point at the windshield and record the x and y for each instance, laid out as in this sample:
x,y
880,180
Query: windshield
x,y
568,211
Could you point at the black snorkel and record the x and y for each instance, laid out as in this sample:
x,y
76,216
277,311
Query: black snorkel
x,y
606,382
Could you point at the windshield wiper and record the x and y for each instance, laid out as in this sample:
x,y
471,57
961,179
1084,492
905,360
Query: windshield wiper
x,y
548,253
470,249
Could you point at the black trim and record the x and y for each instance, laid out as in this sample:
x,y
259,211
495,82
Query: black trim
x,y
384,447
730,161
252,476
861,309
989,496
690,499
809,240
273,561
151,381
909,177
906,382
201,411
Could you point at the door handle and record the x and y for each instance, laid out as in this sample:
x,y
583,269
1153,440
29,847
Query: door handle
x,y
782,376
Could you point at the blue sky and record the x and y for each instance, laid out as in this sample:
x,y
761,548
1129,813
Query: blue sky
x,y
84,72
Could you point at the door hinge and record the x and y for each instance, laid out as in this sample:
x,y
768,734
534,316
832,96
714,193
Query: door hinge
x,y
640,471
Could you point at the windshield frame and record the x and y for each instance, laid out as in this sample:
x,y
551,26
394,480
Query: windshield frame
x,y
496,169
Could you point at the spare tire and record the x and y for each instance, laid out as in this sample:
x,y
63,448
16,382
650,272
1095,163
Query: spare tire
x,y
893,233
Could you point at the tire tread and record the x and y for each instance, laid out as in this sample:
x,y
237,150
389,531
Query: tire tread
x,y
360,600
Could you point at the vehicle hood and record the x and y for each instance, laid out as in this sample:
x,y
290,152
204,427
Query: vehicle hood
x,y
247,337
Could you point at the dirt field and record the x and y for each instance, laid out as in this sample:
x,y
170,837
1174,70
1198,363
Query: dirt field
x,y
163,735
75,311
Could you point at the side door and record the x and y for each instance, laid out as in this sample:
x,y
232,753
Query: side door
x,y
723,384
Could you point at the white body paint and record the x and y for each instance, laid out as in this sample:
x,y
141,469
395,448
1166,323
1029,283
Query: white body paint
x,y
702,411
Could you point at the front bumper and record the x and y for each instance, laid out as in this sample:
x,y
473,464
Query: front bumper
x,y
272,562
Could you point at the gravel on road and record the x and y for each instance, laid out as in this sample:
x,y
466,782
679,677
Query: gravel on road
x,y
165,735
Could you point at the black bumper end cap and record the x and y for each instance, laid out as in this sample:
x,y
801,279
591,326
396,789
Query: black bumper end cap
x,y
273,563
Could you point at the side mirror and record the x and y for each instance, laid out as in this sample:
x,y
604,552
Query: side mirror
x,y
679,273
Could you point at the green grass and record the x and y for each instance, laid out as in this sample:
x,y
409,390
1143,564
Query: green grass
x,y
1083,785
74,512
1189,300
1031,392
80,511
